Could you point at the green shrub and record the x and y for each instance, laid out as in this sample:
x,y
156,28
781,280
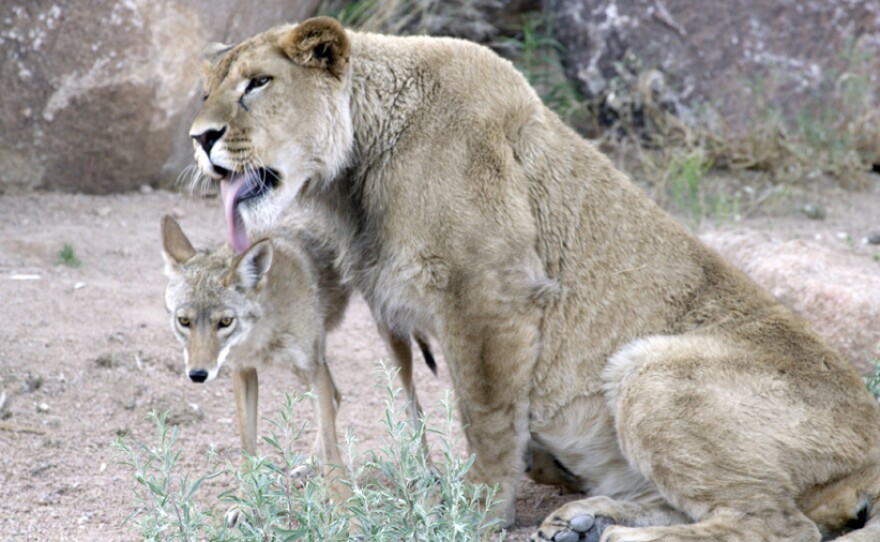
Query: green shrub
x,y
873,381
396,494
66,256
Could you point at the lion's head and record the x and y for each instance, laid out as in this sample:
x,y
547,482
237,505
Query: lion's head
x,y
276,114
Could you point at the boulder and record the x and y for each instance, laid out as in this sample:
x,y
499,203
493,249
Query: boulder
x,y
837,291
98,95
739,57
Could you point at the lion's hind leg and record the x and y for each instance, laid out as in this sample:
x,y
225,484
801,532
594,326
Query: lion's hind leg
x,y
713,424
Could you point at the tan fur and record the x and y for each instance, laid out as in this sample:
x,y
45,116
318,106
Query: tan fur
x,y
282,296
572,311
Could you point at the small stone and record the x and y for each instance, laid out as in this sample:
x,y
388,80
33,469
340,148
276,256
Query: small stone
x,y
43,408
582,523
79,285
105,361
117,338
40,468
32,383
146,189
874,238
813,212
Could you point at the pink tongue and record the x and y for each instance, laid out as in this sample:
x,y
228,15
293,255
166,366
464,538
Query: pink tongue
x,y
230,191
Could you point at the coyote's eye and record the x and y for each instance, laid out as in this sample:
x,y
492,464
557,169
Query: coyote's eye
x,y
226,321
183,321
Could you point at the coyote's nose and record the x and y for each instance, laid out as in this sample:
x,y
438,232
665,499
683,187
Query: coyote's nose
x,y
198,375
207,138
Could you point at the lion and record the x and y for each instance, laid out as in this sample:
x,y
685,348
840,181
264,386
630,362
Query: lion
x,y
572,311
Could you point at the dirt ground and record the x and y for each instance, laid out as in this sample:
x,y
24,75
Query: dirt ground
x,y
86,352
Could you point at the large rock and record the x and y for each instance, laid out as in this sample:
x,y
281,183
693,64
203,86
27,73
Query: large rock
x,y
838,292
98,95
736,55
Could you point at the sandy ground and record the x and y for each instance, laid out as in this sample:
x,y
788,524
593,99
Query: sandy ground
x,y
86,353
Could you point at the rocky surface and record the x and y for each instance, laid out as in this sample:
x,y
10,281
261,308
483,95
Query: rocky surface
x,y
731,54
836,290
98,95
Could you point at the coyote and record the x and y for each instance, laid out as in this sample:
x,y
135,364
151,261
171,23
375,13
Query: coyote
x,y
274,303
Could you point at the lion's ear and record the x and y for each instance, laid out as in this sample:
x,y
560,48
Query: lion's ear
x,y
320,42
211,55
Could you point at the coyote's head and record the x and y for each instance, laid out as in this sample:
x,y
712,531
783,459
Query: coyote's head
x,y
213,297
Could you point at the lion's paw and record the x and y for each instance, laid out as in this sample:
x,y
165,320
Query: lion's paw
x,y
582,527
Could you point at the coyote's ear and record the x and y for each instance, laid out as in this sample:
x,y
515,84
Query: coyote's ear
x,y
176,247
320,42
249,270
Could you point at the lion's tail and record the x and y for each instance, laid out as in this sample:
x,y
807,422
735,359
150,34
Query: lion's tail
x,y
426,352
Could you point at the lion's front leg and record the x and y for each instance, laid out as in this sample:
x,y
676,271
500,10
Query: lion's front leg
x,y
587,519
491,359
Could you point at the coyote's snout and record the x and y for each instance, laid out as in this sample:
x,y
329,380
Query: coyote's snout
x,y
198,375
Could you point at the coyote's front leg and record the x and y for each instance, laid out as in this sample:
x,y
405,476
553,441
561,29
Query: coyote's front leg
x,y
245,388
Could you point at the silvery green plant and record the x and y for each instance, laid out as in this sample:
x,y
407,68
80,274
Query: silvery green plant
x,y
397,494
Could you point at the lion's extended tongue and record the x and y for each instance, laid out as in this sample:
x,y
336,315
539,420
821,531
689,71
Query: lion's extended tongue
x,y
230,191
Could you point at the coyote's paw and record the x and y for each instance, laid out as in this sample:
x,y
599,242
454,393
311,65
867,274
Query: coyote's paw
x,y
233,515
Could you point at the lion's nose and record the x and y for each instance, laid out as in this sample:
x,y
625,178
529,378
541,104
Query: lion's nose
x,y
198,375
207,138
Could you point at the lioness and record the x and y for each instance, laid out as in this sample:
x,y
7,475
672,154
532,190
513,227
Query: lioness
x,y
273,304
571,309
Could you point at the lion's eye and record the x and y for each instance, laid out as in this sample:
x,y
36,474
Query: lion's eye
x,y
257,82
183,321
226,321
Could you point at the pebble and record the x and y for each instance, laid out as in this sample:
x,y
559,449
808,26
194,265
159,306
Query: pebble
x,y
813,212
40,468
43,408
874,238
